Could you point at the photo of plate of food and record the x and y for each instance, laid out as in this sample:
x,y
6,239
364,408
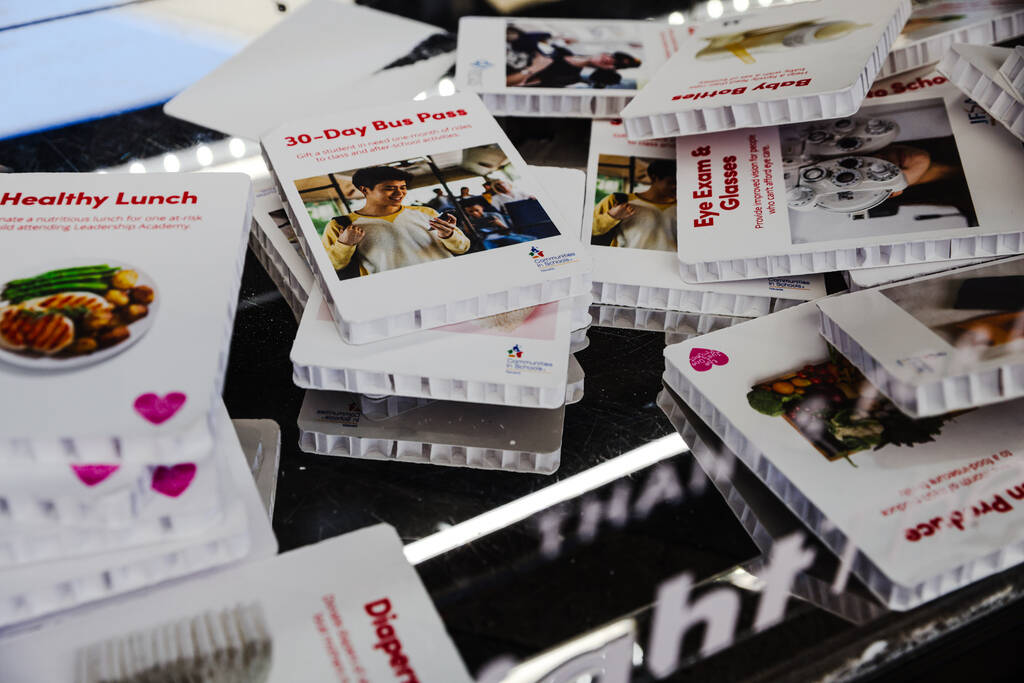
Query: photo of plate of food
x,y
74,315
838,411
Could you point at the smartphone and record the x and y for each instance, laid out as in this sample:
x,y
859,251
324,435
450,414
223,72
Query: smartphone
x,y
620,197
342,221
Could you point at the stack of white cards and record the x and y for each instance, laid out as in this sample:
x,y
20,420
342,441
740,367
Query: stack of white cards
x,y
609,61
630,221
117,300
934,26
991,76
786,64
920,177
802,166
354,606
929,504
444,270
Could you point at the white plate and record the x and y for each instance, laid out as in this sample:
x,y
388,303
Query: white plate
x,y
138,329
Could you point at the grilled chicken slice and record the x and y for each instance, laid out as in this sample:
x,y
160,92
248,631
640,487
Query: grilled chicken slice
x,y
90,302
30,329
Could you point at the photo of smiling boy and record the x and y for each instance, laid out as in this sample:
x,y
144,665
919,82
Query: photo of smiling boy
x,y
385,234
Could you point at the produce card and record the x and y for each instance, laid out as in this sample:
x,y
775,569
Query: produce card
x,y
931,504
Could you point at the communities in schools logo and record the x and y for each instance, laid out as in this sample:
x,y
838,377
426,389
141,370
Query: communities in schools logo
x,y
481,64
546,263
515,364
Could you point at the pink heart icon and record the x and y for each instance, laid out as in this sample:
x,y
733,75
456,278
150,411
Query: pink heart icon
x,y
90,475
158,410
701,360
172,481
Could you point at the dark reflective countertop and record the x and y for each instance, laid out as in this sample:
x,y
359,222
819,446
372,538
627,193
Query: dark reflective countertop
x,y
536,572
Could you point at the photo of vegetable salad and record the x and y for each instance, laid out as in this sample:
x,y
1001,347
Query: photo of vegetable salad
x,y
835,408
72,312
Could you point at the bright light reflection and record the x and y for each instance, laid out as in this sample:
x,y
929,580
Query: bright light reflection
x,y
539,667
676,18
171,163
421,96
715,9
446,87
764,3
237,147
741,5
518,510
204,155
136,167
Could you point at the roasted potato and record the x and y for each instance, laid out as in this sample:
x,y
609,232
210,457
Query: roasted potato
x,y
114,335
117,297
82,346
124,279
132,312
142,294
97,320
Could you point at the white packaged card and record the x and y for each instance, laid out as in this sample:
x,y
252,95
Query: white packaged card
x,y
559,67
911,179
160,504
975,70
941,343
630,223
117,301
275,245
934,25
1012,70
907,85
654,320
378,407
244,533
449,433
516,358
931,505
355,605
261,442
377,57
785,64
866,278
360,187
